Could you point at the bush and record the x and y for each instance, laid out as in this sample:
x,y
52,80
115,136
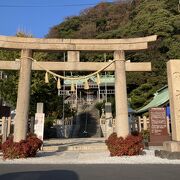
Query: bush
x,y
49,122
129,146
23,149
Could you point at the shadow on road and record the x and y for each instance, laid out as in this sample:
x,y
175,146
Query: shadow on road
x,y
41,175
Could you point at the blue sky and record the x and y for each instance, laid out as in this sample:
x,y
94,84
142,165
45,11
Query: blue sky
x,y
16,15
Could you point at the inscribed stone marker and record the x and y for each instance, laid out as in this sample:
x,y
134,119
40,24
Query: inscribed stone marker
x,y
158,126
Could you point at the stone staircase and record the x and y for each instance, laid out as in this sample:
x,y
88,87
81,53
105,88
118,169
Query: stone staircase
x,y
87,120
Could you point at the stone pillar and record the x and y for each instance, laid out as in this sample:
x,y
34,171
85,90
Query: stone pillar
x,y
109,118
122,124
22,106
139,124
40,108
39,121
173,72
167,121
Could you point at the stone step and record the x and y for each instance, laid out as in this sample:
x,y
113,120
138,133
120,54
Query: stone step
x,y
75,144
95,147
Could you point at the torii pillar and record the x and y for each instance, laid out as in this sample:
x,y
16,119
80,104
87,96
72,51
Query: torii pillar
x,y
22,106
122,123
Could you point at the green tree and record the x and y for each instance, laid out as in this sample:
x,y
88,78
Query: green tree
x,y
119,19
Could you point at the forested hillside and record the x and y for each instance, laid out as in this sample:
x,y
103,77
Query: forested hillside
x,y
135,18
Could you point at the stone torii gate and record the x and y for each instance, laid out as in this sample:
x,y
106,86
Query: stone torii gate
x,y
73,48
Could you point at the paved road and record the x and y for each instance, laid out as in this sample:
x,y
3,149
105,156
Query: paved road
x,y
89,172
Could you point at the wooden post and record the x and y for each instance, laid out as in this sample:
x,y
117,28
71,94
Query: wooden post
x,y
139,123
2,122
4,129
144,123
9,126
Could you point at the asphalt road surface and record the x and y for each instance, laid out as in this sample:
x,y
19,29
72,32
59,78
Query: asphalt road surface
x,y
89,172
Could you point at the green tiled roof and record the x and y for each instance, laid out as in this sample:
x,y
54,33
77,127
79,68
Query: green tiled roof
x,y
160,98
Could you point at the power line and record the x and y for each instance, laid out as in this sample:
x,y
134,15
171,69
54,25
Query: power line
x,y
45,6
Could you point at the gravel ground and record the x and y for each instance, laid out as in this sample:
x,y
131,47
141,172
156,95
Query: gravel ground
x,y
73,157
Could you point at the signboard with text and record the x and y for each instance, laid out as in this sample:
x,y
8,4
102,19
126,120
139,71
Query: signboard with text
x,y
158,121
158,126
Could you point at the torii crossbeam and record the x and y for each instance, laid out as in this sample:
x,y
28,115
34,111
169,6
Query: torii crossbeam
x,y
73,48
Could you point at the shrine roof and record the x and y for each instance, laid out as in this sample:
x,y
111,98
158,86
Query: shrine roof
x,y
160,97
